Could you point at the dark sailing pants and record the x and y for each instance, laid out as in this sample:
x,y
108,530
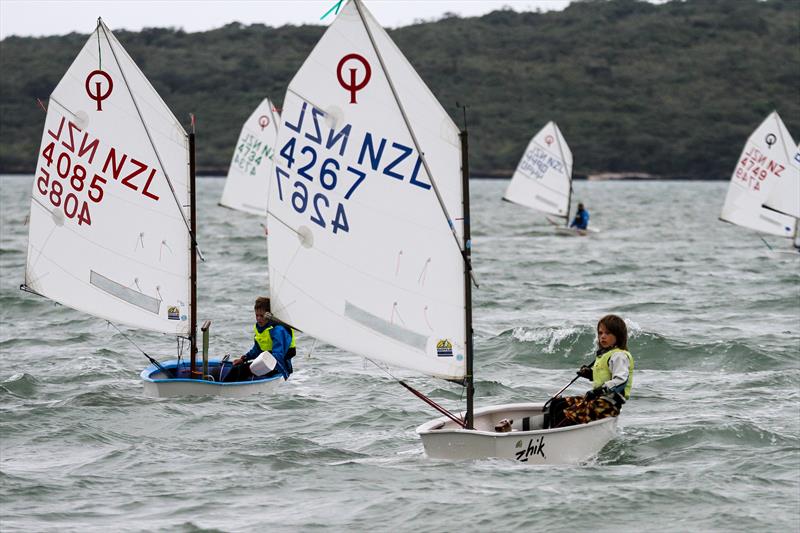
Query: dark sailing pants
x,y
240,372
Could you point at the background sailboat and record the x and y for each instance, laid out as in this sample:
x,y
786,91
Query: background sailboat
x,y
543,178
765,172
368,217
246,184
112,206
784,196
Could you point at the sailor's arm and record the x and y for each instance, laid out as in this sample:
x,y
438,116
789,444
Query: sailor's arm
x,y
618,364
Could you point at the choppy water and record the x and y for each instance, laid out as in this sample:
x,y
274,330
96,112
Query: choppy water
x,y
710,441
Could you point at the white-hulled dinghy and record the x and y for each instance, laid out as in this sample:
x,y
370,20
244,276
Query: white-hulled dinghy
x,y
112,210
784,196
760,194
368,217
543,180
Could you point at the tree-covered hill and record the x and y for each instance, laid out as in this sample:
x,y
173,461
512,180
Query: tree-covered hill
x,y
673,89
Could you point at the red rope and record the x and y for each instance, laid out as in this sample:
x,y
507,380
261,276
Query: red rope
x,y
448,414
41,104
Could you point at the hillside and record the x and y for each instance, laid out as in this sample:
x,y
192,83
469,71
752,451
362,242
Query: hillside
x,y
672,90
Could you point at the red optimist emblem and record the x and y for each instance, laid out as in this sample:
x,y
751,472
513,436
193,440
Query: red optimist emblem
x,y
263,121
352,86
98,96
549,140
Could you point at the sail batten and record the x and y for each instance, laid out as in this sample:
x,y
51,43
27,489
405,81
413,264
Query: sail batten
x,y
543,177
361,253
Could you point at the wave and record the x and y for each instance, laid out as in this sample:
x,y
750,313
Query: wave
x,y
20,386
572,346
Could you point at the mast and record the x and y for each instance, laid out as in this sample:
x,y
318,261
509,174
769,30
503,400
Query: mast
x,y
564,162
467,274
569,201
192,257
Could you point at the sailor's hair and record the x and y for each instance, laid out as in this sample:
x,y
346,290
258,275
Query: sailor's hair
x,y
616,326
262,304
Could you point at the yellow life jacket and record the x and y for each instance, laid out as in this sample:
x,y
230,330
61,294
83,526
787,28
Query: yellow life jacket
x,y
602,373
264,339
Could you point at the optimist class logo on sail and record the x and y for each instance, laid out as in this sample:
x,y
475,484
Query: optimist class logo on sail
x,y
352,86
98,96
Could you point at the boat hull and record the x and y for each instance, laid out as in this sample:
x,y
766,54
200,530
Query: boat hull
x,y
443,439
158,385
575,232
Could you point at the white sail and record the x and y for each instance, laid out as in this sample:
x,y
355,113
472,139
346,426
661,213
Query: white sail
x,y
246,185
784,196
763,161
110,201
543,178
360,251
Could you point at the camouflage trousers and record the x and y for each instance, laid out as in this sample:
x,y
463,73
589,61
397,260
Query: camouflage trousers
x,y
579,410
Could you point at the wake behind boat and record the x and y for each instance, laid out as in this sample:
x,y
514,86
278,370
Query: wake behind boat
x,y
368,215
112,221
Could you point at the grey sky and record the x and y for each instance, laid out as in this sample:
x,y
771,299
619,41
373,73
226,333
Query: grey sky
x,y
57,17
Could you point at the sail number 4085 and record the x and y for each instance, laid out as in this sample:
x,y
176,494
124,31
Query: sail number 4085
x,y
75,175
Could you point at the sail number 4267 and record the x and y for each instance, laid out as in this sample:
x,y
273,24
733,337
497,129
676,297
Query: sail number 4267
x,y
328,179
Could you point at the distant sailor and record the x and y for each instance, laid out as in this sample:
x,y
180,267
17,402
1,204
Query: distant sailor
x,y
611,375
272,351
581,220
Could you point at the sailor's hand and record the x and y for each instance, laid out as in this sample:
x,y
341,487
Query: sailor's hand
x,y
595,393
238,361
585,372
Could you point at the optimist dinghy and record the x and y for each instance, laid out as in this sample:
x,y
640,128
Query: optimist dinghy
x,y
246,184
368,216
764,192
543,180
112,221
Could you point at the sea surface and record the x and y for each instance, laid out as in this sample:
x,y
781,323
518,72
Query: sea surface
x,y
710,440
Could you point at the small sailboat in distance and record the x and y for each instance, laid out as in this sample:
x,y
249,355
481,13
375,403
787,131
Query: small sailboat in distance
x,y
370,246
784,196
246,184
765,172
112,220
543,179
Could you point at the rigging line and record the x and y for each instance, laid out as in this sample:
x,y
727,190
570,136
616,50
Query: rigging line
x,y
311,351
62,106
274,122
408,125
99,50
23,287
564,169
426,399
290,228
150,137
158,365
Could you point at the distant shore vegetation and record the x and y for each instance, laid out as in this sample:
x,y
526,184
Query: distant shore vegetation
x,y
668,90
